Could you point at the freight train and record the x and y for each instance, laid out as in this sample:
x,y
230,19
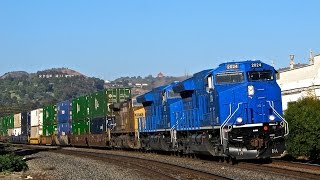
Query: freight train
x,y
232,111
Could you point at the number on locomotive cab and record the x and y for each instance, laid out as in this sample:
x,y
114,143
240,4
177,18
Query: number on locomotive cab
x,y
256,65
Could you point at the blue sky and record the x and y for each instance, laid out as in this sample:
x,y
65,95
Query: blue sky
x,y
110,39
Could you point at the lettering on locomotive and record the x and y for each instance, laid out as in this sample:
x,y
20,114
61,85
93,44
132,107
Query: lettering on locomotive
x,y
256,65
232,66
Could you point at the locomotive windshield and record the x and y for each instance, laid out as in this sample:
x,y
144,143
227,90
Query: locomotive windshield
x,y
229,78
260,75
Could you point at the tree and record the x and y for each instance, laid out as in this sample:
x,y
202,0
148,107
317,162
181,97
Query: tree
x,y
303,117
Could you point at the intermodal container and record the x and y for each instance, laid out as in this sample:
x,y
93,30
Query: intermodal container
x,y
25,123
64,129
5,126
64,112
10,132
37,117
116,95
50,115
2,127
17,131
17,120
97,104
80,108
35,134
98,125
80,128
49,130
10,121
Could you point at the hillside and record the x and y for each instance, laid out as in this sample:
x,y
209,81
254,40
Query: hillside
x,y
21,91
140,85
14,74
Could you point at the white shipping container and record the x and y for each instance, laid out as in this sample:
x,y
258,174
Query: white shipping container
x,y
36,132
17,131
10,132
37,117
17,120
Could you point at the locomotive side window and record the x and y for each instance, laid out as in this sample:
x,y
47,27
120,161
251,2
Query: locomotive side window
x,y
172,94
229,78
260,76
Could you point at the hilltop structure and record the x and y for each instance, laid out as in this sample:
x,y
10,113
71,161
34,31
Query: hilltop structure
x,y
58,73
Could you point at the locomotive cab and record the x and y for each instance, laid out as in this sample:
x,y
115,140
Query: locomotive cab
x,y
249,110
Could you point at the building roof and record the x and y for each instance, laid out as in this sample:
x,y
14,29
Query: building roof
x,y
295,66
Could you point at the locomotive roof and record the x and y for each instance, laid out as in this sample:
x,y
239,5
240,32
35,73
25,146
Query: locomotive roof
x,y
240,62
191,83
243,65
150,96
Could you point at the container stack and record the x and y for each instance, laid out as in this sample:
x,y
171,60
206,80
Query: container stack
x,y
99,109
80,121
4,129
3,126
21,127
17,125
36,126
16,128
25,127
1,129
10,126
49,124
64,120
98,125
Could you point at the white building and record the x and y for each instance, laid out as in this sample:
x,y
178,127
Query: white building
x,y
299,80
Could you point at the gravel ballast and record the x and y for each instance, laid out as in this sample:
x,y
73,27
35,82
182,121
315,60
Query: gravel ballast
x,y
52,165
49,165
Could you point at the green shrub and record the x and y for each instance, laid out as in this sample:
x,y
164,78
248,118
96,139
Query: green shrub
x,y
11,162
303,117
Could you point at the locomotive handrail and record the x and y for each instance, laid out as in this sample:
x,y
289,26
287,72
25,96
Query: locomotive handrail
x,y
226,121
172,129
286,125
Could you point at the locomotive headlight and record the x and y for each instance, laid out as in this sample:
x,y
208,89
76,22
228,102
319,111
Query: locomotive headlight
x,y
250,90
239,119
272,117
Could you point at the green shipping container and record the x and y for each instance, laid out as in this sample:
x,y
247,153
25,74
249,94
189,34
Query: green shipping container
x,y
97,104
50,115
49,130
10,122
4,126
1,126
80,128
116,95
80,108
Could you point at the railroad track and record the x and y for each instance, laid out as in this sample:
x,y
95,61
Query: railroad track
x,y
147,167
289,169
154,168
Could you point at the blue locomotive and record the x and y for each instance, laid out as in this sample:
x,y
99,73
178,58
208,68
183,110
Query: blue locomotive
x,y
233,111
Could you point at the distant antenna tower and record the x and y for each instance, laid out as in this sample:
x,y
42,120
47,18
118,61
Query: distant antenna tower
x,y
186,73
272,63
